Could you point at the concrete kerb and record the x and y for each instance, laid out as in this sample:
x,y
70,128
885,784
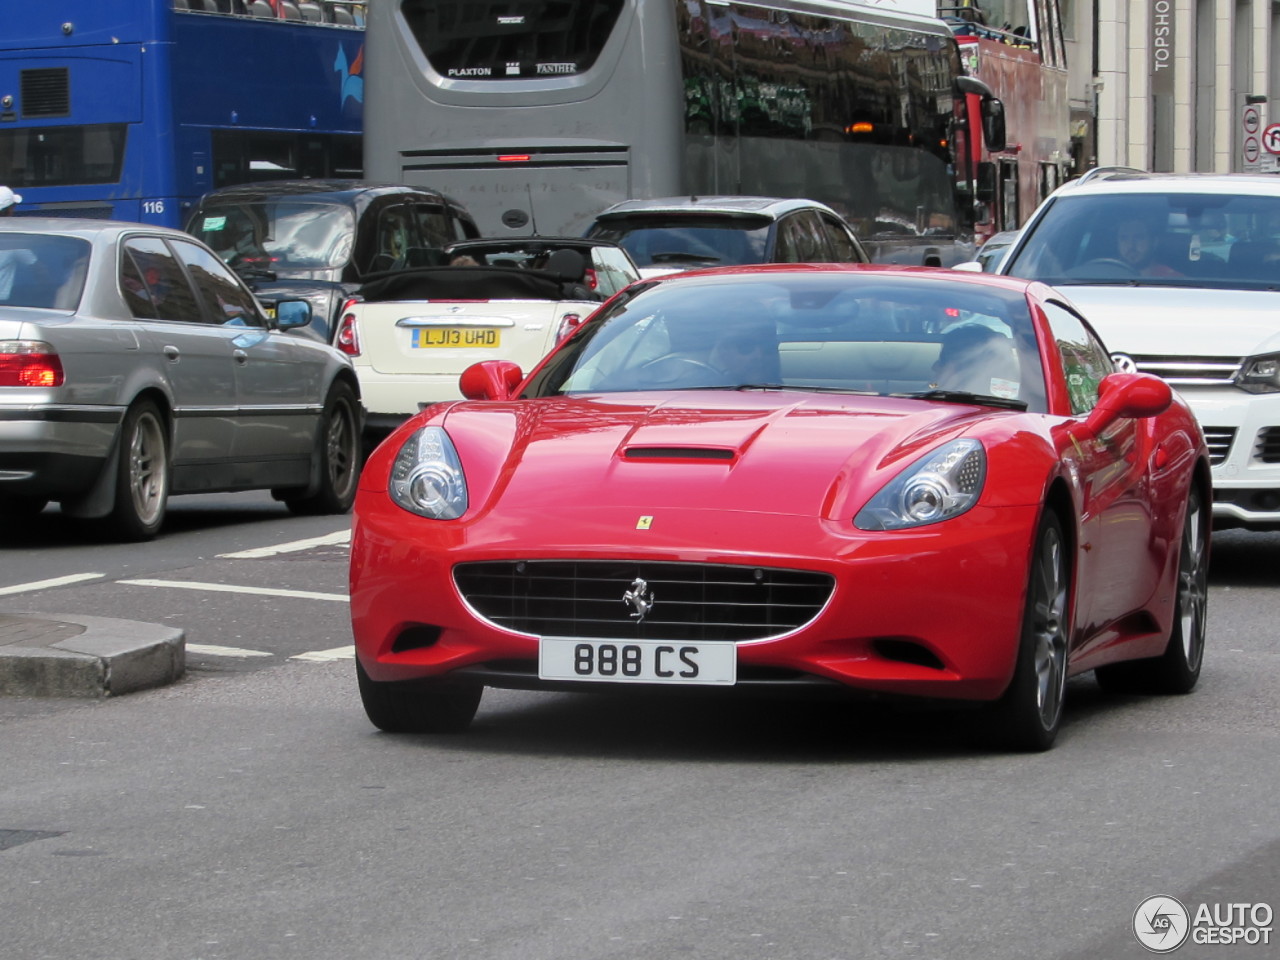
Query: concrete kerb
x,y
69,655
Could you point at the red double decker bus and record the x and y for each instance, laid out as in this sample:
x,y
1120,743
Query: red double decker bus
x,y
1017,48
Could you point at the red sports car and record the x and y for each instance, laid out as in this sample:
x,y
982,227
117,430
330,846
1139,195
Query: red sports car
x,y
881,480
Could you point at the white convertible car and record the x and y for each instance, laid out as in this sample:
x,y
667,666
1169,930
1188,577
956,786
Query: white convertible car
x,y
411,333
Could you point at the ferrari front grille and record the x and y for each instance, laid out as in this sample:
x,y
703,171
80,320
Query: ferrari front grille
x,y
630,600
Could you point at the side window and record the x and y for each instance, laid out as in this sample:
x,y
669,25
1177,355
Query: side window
x,y
804,239
432,230
136,296
843,247
1084,361
225,298
787,250
391,241
156,288
612,270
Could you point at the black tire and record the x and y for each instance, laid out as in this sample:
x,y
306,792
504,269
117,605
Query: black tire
x,y
142,475
419,706
339,453
1029,714
1177,670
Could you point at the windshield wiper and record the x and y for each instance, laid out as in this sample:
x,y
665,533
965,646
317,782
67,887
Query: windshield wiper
x,y
963,396
684,258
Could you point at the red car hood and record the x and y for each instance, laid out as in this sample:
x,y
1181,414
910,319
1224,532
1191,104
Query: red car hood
x,y
767,452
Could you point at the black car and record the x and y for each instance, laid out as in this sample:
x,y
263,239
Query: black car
x,y
320,239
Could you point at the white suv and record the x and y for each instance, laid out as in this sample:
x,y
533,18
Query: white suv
x,y
1180,274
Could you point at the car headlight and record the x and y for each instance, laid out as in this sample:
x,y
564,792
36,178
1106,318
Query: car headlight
x,y
427,477
937,487
1260,374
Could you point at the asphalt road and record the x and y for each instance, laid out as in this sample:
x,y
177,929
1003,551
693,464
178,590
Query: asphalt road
x,y
251,811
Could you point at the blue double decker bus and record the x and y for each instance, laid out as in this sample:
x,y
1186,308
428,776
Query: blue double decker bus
x,y
132,109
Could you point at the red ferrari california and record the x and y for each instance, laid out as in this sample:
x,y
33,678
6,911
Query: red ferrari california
x,y
855,479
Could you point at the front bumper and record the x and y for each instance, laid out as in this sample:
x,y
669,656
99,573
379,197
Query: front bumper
x,y
933,613
1243,432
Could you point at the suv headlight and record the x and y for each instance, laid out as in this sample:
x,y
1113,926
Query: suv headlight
x,y
427,477
941,485
1260,374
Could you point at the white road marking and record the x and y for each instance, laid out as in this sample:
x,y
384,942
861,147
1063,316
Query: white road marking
x,y
325,656
232,588
341,536
46,584
213,650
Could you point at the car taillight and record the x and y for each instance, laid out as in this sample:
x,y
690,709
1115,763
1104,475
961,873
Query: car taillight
x,y
29,363
568,323
348,338
589,278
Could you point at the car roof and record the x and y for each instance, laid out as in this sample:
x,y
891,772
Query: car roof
x,y
1124,180
85,228
339,191
878,270
719,205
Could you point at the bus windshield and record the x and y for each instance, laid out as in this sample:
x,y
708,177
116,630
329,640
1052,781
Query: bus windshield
x,y
278,235
511,40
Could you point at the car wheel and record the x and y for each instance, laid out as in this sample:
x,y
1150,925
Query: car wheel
x,y
419,706
142,480
1178,669
1027,717
340,458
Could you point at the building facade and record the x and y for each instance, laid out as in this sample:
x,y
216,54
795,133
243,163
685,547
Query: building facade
x,y
1178,85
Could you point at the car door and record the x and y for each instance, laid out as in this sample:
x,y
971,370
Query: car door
x,y
1118,569
195,358
279,384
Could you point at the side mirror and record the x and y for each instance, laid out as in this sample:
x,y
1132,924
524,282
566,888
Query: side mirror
x,y
1126,396
490,380
292,314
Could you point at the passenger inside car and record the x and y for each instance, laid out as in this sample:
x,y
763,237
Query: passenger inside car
x,y
976,358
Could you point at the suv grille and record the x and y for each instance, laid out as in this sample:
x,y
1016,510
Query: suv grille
x,y
691,602
1219,440
1201,371
1267,449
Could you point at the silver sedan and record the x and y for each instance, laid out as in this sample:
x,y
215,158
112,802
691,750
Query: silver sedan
x,y
134,365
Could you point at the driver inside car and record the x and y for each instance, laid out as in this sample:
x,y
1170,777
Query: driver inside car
x,y
1135,245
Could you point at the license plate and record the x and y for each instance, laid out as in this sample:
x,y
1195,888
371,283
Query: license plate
x,y
484,337
638,661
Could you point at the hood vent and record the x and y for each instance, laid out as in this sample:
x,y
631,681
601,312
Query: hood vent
x,y
678,453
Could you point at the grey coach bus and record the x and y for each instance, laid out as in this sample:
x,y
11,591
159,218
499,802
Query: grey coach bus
x,y
538,114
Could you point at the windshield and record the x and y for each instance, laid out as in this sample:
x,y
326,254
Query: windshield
x,y
808,331
1170,239
278,235
40,270
679,242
